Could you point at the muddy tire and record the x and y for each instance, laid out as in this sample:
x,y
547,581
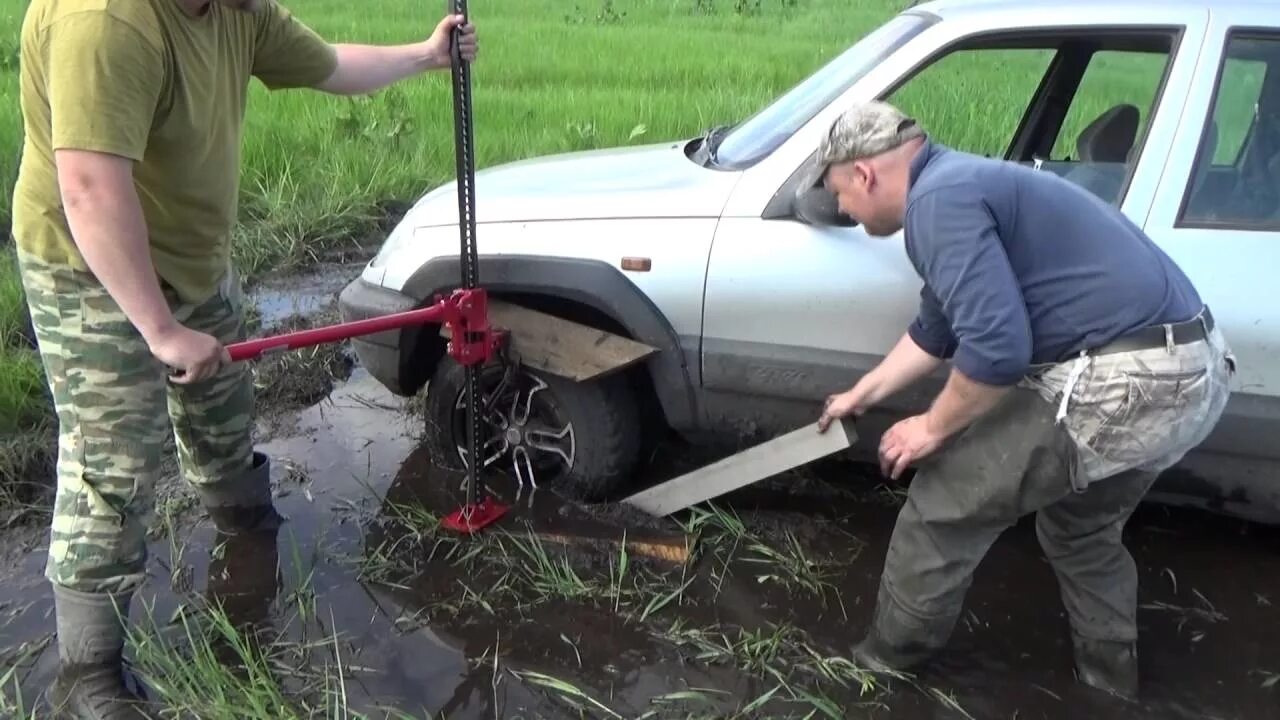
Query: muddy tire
x,y
594,461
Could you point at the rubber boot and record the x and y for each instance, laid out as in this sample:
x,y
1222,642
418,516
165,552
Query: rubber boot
x,y
1107,665
90,683
897,640
244,504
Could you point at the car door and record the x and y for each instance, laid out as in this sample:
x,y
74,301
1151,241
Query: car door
x,y
1217,213
796,310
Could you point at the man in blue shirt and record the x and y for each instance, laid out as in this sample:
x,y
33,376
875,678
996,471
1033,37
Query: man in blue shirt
x,y
1083,363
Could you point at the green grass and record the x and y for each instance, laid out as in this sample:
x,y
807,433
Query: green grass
x,y
22,392
550,78
10,112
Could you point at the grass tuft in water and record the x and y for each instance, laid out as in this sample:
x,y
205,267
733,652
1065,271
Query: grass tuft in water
x,y
787,564
565,691
785,654
14,664
211,669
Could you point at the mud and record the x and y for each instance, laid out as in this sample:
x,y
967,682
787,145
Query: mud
x,y
439,625
276,299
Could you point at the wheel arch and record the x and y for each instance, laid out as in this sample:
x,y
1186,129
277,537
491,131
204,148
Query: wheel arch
x,y
591,292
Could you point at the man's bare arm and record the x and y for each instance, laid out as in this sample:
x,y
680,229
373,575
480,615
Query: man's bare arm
x,y
364,69
905,364
901,368
106,221
961,402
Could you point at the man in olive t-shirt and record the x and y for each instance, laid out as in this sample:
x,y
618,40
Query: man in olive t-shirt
x,y
123,212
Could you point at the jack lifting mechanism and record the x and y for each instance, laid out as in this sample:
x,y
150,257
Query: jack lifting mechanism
x,y
465,319
465,312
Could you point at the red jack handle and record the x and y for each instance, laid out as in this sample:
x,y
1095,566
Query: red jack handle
x,y
465,312
252,349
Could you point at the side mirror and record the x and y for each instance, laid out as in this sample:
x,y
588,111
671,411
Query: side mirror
x,y
817,206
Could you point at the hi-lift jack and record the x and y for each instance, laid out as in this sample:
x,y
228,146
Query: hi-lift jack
x,y
465,312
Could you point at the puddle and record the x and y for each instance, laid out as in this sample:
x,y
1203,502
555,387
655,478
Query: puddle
x,y
279,298
510,624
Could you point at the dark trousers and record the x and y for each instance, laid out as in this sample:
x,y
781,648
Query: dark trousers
x,y
1011,462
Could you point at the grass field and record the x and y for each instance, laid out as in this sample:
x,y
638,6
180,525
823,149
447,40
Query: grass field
x,y
554,75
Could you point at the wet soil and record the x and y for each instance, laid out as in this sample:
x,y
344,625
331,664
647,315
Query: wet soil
x,y
519,622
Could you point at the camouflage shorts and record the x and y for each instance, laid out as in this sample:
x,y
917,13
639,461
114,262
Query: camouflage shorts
x,y
116,409
1141,410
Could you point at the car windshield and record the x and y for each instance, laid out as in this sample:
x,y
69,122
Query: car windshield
x,y
762,133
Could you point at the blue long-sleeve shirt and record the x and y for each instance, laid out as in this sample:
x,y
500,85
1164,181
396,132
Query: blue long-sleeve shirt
x,y
1021,266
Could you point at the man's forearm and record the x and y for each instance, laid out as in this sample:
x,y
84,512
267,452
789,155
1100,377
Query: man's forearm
x,y
106,222
367,68
904,365
961,402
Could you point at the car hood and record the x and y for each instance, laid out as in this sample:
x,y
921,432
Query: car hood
x,y
633,182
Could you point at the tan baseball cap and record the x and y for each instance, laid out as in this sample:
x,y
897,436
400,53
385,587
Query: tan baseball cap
x,y
864,130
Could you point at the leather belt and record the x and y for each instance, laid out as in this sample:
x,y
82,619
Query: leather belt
x,y
1157,336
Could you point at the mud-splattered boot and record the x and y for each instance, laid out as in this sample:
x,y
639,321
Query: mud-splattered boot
x,y
1107,665
897,640
90,684
244,504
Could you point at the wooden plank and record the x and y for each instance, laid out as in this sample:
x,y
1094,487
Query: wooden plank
x,y
749,466
673,550
562,347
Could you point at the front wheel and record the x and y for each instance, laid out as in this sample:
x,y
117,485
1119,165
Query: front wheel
x,y
579,439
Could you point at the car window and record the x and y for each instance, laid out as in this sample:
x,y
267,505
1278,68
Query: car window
x,y
1108,114
1112,79
763,132
1234,180
1241,87
973,100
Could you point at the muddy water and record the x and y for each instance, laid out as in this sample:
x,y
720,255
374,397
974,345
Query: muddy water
x,y
278,298
413,636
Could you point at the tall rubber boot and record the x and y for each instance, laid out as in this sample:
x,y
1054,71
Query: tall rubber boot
x,y
1107,665
90,683
244,504
899,641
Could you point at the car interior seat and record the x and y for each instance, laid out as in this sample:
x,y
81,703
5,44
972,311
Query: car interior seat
x,y
1104,147
1204,193
1257,190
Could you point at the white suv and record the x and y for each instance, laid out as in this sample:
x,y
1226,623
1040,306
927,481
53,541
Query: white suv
x,y
762,299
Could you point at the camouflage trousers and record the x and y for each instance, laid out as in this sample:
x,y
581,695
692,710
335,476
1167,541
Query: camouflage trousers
x,y
116,410
1081,466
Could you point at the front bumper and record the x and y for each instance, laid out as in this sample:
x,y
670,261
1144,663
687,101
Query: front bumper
x,y
380,353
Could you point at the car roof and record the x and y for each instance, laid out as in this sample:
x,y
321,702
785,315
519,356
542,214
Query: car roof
x,y
956,8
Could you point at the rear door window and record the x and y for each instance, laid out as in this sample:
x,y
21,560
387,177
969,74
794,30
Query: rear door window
x,y
1235,182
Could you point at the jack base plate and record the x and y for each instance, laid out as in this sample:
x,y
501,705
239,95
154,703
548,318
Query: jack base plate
x,y
471,518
